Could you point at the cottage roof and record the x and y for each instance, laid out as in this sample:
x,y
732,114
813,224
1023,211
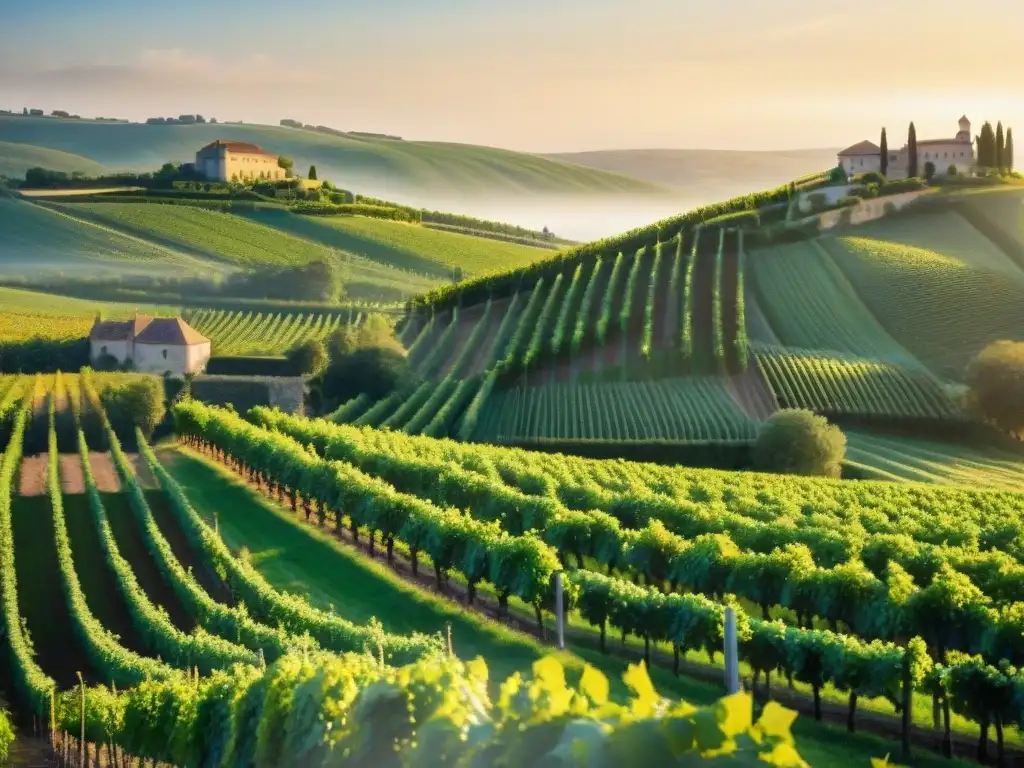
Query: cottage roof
x,y
144,329
236,147
863,148
170,330
111,330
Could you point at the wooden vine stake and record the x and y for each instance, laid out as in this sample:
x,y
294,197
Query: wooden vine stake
x,y
83,753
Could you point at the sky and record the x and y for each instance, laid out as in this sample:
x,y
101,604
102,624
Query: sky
x,y
532,75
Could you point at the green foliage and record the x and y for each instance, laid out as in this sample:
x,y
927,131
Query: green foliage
x,y
307,357
312,173
135,403
994,380
799,442
608,301
367,359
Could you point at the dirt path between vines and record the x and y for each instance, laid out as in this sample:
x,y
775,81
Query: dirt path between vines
x,y
32,478
104,472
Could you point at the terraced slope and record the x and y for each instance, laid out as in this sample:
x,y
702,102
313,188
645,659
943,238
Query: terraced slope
x,y
940,288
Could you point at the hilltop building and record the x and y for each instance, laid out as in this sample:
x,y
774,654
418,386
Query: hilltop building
x,y
224,160
943,153
162,345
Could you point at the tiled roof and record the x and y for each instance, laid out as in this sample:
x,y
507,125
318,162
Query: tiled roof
x,y
147,330
925,142
237,147
863,148
111,330
170,330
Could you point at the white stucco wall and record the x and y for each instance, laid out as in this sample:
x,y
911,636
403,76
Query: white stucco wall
x,y
861,163
178,360
119,349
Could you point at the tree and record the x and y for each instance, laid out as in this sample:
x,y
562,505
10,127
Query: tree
x,y
1008,150
999,146
307,357
286,163
912,152
138,403
951,171
883,153
994,385
929,170
799,442
365,360
987,146
312,173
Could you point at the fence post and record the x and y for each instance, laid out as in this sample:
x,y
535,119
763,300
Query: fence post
x,y
732,661
560,610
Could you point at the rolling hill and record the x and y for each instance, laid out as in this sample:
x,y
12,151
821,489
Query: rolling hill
x,y
406,170
679,339
16,158
727,172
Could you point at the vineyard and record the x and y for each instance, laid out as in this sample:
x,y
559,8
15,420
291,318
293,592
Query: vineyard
x,y
910,272
264,333
411,247
156,605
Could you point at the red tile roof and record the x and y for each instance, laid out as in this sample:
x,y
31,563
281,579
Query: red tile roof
x,y
236,147
144,329
863,148
170,330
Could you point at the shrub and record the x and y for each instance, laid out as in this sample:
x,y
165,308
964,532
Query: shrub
x,y
818,201
307,357
137,403
995,392
901,185
929,170
846,201
799,442
951,171
869,177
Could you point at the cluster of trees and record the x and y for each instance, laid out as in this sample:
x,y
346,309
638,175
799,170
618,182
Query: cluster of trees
x,y
365,360
165,177
995,148
288,123
179,120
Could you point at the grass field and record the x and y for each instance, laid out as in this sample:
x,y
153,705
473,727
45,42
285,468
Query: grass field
x,y
902,458
939,287
202,232
16,158
374,166
35,240
405,246
295,557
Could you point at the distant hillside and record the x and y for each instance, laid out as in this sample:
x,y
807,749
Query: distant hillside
x,y
17,158
415,172
728,172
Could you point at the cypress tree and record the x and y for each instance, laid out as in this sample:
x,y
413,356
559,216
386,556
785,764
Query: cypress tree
x,y
884,154
986,146
912,152
999,146
1008,150
312,173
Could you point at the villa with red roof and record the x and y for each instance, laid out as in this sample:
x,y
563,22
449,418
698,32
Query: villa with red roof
x,y
162,345
224,160
957,152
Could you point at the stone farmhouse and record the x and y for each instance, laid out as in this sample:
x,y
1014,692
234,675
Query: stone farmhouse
x,y
224,160
942,153
161,345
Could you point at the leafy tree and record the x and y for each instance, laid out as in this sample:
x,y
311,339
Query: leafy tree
x,y
368,360
799,442
137,403
994,380
312,173
884,154
998,163
307,357
929,170
286,163
912,152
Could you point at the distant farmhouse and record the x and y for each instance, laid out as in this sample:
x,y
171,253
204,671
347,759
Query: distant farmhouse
x,y
162,345
226,160
942,153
